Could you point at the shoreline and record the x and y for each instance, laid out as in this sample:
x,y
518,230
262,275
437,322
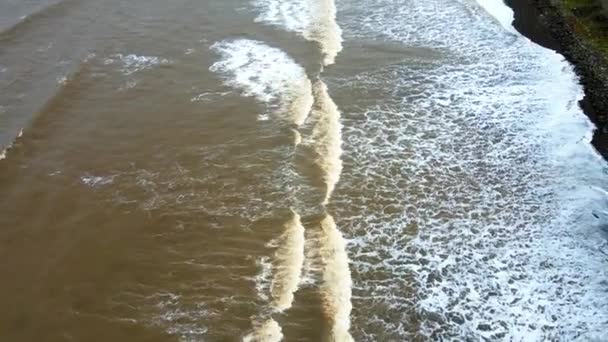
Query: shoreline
x,y
545,24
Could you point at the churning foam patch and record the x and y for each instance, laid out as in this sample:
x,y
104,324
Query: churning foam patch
x,y
472,184
315,20
266,73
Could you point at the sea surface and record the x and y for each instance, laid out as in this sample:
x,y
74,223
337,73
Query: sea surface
x,y
303,170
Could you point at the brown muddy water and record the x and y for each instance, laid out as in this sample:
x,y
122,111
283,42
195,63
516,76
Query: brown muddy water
x,y
298,170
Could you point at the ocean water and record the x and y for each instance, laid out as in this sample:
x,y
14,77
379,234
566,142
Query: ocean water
x,y
268,170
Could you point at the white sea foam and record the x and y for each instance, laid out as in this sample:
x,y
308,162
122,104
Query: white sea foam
x,y
500,11
208,96
315,20
131,63
179,320
262,279
268,74
327,137
470,183
95,181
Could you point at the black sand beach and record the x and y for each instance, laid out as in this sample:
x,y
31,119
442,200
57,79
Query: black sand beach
x,y
544,24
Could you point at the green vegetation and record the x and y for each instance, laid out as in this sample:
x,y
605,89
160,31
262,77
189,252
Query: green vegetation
x,y
590,20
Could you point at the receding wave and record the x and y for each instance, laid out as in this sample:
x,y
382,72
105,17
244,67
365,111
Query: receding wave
x,y
268,74
315,20
327,137
288,262
336,284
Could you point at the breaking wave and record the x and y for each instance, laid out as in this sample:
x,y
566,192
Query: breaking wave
x,y
336,281
285,270
267,331
268,74
315,20
288,262
327,137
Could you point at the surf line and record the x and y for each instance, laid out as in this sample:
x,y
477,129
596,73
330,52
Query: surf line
x,y
326,138
326,141
336,286
336,281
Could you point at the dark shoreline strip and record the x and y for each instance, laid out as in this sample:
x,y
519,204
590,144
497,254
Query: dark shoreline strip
x,y
545,24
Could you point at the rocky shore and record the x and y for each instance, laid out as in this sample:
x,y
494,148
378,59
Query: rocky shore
x,y
547,23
